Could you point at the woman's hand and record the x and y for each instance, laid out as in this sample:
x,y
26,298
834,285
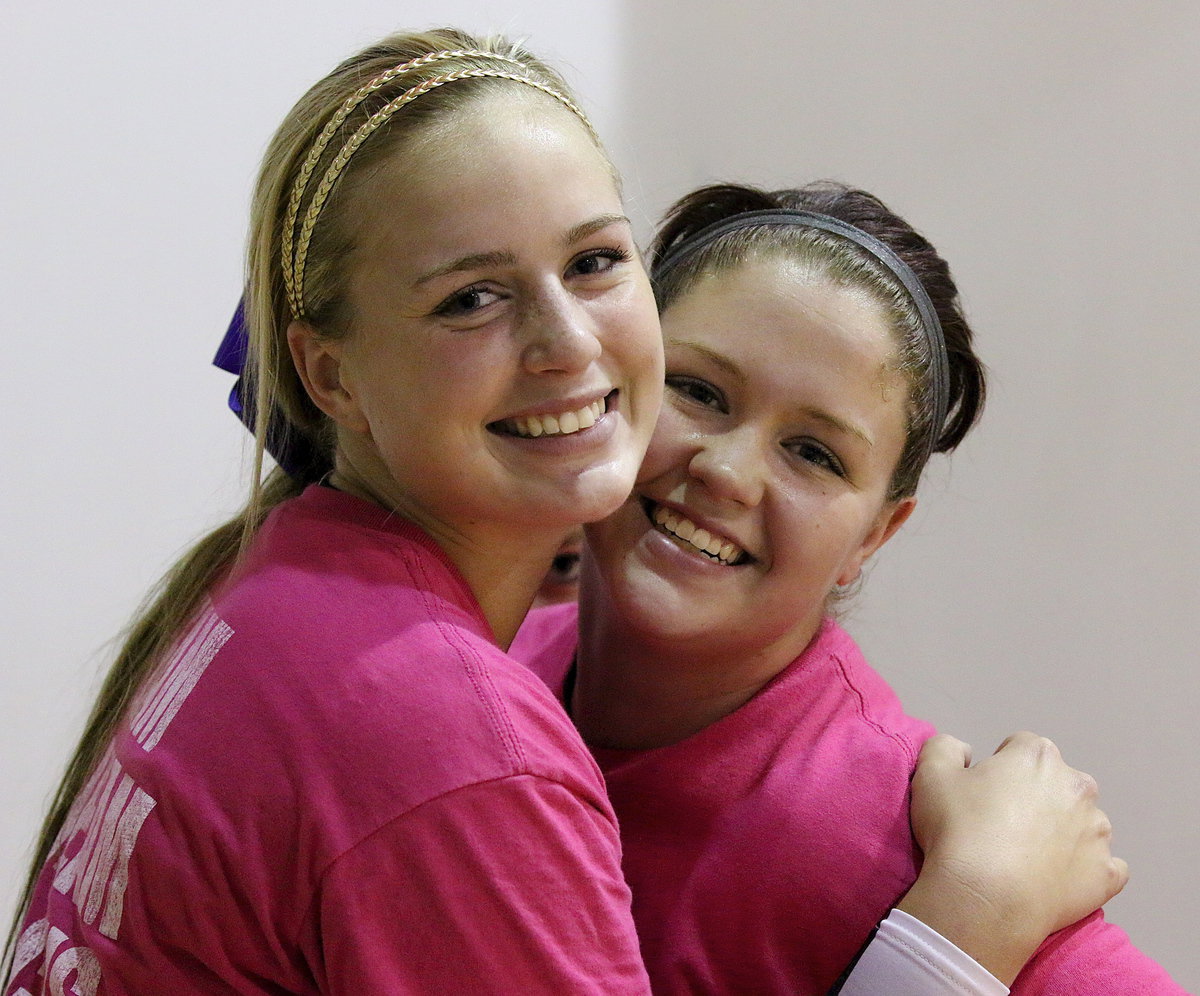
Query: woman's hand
x,y
1015,848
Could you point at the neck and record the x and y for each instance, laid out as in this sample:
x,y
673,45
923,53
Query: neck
x,y
503,586
635,690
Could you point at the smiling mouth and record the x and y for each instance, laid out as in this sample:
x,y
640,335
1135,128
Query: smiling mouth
x,y
694,538
562,424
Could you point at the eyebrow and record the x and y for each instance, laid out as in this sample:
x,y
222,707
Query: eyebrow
x,y
715,358
839,424
481,260
593,225
736,372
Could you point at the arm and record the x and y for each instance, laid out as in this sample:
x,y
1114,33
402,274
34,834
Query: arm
x,y
1015,849
908,958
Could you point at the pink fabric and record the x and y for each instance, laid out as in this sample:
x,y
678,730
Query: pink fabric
x,y
338,784
763,850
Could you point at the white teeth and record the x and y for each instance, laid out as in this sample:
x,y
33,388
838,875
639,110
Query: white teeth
x,y
558,425
701,539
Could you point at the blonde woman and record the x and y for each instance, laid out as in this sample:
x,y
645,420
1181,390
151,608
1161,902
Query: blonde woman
x,y
312,768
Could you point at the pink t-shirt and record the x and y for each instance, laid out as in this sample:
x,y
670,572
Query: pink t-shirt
x,y
337,784
763,850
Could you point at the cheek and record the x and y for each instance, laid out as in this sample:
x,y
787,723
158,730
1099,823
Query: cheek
x,y
458,370
629,319
666,453
404,385
811,531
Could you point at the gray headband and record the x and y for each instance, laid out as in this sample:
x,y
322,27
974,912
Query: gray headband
x,y
939,363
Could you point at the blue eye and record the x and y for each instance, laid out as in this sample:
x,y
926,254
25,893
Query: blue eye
x,y
466,302
597,261
810,451
699,391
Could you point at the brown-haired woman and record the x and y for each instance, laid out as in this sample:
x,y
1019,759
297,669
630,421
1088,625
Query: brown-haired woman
x,y
816,355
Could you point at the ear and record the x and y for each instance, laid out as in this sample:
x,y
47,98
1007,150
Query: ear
x,y
891,517
320,362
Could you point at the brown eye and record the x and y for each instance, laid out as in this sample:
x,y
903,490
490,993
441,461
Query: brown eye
x,y
699,391
561,583
597,261
564,569
465,302
810,451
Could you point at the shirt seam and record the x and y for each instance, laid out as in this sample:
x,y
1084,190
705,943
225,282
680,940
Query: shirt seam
x,y
477,672
932,964
902,739
328,867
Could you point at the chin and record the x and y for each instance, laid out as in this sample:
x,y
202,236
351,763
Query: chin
x,y
643,601
599,492
566,510
666,624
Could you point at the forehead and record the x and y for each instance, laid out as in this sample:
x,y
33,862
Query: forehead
x,y
785,345
785,306
485,122
510,157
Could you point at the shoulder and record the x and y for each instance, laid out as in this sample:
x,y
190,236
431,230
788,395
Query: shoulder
x,y
328,557
340,597
1093,956
394,708
497,862
827,730
861,698
348,680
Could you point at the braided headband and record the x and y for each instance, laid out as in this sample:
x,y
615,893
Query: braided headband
x,y
294,251
939,362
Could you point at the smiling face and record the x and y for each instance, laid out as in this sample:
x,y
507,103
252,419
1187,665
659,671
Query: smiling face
x,y
503,366
765,482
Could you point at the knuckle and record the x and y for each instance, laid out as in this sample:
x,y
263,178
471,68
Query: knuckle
x,y
1118,875
1045,749
1086,785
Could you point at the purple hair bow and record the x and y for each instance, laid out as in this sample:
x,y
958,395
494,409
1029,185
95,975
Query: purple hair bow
x,y
292,449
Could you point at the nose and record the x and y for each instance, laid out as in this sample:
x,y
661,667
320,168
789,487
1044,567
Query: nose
x,y
559,335
731,466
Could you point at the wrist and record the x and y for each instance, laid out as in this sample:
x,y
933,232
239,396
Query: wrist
x,y
981,922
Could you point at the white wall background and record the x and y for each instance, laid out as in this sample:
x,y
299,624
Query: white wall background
x,y
1050,579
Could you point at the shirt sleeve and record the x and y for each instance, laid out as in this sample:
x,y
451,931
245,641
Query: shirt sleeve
x,y
1093,956
908,958
508,886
